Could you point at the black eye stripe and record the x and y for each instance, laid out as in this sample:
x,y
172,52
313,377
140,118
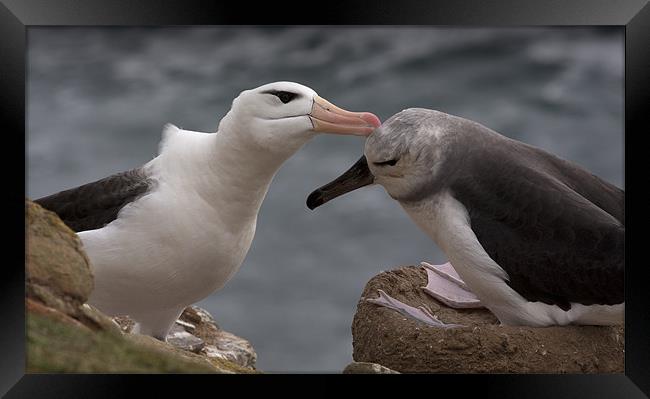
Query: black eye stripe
x,y
390,162
284,96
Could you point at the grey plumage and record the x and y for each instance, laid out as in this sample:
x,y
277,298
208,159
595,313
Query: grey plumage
x,y
557,230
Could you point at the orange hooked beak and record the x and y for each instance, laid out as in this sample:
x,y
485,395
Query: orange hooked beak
x,y
327,117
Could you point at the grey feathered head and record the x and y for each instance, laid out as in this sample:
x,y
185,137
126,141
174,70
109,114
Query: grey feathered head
x,y
404,155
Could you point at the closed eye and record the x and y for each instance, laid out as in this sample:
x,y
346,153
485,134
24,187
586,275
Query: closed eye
x,y
391,162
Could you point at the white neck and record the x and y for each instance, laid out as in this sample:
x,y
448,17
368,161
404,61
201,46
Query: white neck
x,y
447,222
229,173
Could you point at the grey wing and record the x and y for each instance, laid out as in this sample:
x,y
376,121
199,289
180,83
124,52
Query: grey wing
x,y
556,245
94,205
602,194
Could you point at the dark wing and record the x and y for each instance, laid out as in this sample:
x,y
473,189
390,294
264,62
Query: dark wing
x,y
94,205
556,229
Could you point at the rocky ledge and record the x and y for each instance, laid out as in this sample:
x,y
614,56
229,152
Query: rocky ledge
x,y
386,337
196,331
66,335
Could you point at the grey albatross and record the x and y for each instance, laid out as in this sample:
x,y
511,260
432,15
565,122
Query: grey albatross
x,y
170,233
536,239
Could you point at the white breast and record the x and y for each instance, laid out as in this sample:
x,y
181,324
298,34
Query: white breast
x,y
177,244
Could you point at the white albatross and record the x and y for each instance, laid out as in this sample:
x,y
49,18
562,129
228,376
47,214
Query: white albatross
x,y
534,238
170,233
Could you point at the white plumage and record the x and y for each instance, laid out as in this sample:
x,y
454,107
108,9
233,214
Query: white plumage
x,y
189,233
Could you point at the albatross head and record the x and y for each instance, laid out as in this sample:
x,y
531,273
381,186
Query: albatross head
x,y
283,115
405,155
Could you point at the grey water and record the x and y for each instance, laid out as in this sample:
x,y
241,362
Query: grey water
x,y
97,99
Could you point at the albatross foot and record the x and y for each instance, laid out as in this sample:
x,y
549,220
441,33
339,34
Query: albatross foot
x,y
445,285
420,313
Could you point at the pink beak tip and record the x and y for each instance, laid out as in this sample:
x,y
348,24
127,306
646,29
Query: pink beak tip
x,y
371,119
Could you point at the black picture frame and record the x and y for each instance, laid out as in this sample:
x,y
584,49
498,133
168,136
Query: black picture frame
x,y
16,16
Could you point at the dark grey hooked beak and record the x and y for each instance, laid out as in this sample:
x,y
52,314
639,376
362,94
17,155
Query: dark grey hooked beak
x,y
356,177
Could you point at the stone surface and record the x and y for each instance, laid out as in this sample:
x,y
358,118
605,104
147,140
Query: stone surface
x,y
384,336
196,316
57,269
367,368
59,345
182,339
125,323
64,335
196,331
219,344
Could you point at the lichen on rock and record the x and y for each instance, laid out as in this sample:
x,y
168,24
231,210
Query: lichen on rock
x,y
56,267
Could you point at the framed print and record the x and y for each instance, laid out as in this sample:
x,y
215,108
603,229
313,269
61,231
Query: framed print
x,y
243,189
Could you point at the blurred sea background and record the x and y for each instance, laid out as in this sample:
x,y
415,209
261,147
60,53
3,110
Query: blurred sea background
x,y
98,98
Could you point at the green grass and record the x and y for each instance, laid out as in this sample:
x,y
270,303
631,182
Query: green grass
x,y
56,347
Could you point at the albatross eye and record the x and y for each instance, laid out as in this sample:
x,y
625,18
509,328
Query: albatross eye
x,y
284,96
390,162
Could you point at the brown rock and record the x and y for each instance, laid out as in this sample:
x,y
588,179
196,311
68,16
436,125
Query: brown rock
x,y
219,344
57,270
125,323
196,331
38,308
196,316
367,368
384,336
182,339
